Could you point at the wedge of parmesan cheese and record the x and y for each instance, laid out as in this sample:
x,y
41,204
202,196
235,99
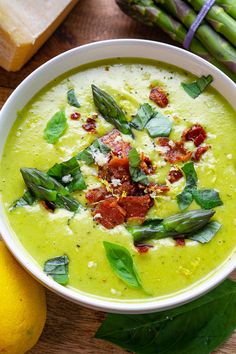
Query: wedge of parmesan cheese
x,y
25,25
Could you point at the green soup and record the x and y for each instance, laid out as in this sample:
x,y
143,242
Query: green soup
x,y
166,268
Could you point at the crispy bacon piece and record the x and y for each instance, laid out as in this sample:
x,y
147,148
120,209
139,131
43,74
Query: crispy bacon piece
x,y
115,142
180,242
109,213
143,248
136,206
175,151
157,188
159,96
146,164
126,187
49,206
196,133
199,152
117,168
96,195
75,116
90,125
175,174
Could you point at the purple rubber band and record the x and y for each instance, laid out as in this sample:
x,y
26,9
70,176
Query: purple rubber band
x,y
200,17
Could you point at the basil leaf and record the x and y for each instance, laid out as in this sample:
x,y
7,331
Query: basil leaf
x,y
159,125
143,115
136,173
26,199
207,198
195,88
87,154
69,174
55,127
206,233
57,268
185,198
71,98
122,264
200,326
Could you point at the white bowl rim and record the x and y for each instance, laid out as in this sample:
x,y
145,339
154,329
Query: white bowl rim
x,y
98,303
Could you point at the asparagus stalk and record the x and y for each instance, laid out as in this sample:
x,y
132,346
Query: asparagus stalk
x,y
148,13
219,19
217,45
110,110
229,6
176,225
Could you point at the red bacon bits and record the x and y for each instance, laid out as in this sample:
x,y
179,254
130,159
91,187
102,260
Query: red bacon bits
x,y
75,116
118,146
49,206
175,151
125,187
180,242
146,164
175,174
196,133
136,206
109,213
96,195
90,125
143,248
159,96
117,168
199,152
157,188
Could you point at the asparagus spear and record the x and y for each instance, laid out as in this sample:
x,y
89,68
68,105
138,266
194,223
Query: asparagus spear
x,y
47,188
219,19
217,45
229,6
110,110
176,225
148,13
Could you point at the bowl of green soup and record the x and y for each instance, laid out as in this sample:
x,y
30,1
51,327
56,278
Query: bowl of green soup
x,y
118,175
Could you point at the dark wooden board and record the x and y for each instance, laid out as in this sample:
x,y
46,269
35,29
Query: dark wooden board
x,y
70,328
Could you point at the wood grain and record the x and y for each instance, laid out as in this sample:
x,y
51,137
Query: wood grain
x,y
70,328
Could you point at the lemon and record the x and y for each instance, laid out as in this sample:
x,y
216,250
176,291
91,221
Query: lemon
x,y
22,306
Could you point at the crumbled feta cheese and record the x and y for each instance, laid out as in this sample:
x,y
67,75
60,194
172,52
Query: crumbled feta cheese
x,y
67,178
161,163
97,216
162,149
171,143
115,292
118,138
115,182
92,264
229,156
211,136
99,157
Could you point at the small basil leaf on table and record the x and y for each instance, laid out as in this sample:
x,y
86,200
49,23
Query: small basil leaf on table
x,y
110,110
185,198
200,326
71,98
206,233
87,154
122,264
137,174
57,268
207,198
195,88
159,125
69,174
26,199
55,127
143,115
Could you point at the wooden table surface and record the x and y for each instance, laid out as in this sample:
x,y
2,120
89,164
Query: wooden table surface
x,y
70,328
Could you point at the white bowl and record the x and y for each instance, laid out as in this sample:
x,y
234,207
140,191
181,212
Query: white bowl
x,y
65,62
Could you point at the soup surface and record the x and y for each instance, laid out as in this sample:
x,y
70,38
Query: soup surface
x,y
163,266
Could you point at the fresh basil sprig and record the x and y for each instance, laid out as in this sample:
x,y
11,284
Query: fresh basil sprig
x,y
195,88
87,155
144,114
200,326
57,268
26,199
55,127
207,198
206,233
71,98
137,174
122,264
68,173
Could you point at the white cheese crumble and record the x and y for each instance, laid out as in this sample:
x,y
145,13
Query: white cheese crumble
x,y
99,157
161,163
162,149
92,264
229,156
115,182
97,216
171,143
118,138
115,292
67,178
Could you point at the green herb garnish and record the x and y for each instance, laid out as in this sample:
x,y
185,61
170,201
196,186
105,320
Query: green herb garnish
x,y
26,199
144,114
122,264
195,88
57,268
207,233
71,98
87,155
55,128
136,172
185,198
207,198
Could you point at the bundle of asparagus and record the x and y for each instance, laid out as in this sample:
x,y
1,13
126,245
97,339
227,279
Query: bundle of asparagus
x,y
215,39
